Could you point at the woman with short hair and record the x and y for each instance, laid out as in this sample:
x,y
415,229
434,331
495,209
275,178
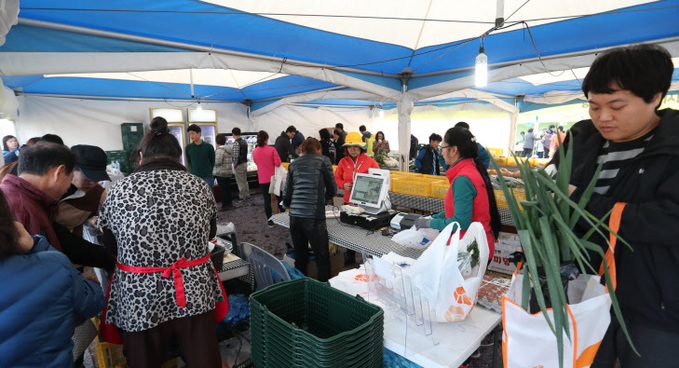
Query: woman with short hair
x,y
223,170
309,185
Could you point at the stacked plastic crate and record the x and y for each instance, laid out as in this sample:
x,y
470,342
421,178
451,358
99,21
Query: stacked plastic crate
x,y
306,323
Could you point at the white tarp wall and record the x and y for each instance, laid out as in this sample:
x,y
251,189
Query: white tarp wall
x,y
490,125
97,122
309,120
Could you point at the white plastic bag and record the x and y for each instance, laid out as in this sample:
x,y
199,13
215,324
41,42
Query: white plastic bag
x,y
278,181
437,276
415,238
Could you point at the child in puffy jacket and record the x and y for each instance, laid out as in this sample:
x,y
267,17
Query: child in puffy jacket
x,y
43,298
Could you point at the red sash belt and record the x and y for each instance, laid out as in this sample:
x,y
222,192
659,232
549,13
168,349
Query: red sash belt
x,y
174,269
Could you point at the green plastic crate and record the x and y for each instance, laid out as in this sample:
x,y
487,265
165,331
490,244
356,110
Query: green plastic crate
x,y
132,134
306,323
122,157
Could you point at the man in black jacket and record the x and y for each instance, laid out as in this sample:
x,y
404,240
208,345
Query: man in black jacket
x,y
240,164
639,148
284,146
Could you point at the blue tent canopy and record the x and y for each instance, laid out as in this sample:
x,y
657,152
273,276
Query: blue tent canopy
x,y
56,44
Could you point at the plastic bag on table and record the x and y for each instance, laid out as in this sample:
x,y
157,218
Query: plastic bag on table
x,y
414,238
438,276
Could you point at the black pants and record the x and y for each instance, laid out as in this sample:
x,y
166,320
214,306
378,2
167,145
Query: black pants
x,y
527,152
657,348
267,199
224,190
305,231
196,337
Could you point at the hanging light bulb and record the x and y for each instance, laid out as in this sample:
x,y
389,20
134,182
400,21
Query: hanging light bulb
x,y
481,68
381,113
200,107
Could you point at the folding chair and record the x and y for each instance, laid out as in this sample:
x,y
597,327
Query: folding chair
x,y
267,269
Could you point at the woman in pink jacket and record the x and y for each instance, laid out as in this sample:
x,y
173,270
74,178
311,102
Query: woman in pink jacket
x,y
267,159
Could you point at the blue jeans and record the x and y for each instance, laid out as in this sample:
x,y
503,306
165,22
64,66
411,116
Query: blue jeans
x,y
210,182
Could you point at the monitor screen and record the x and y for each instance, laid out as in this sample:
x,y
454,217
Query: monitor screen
x,y
367,190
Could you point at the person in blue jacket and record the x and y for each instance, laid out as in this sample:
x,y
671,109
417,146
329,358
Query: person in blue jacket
x,y
43,298
428,161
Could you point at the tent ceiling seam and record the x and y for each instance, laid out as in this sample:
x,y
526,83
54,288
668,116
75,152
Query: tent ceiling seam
x,y
547,58
184,45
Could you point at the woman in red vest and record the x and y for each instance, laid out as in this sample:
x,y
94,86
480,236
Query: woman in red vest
x,y
470,197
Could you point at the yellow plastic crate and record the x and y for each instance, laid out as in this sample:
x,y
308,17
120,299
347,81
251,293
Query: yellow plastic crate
x,y
495,151
501,161
405,174
111,355
413,186
519,194
439,189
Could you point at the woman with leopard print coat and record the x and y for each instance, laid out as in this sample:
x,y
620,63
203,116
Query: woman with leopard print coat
x,y
160,219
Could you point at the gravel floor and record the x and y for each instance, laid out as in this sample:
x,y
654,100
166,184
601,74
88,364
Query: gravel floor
x,y
250,221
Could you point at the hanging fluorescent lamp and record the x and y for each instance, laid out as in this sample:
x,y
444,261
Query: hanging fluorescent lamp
x,y
481,73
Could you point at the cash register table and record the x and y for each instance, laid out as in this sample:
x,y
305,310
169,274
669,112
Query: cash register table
x,y
435,205
457,340
355,238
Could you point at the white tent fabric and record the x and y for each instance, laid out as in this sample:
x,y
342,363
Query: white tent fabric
x,y
272,57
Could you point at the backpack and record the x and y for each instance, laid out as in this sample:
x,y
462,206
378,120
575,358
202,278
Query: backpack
x,y
547,141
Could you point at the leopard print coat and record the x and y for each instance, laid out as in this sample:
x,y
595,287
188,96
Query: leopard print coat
x,y
157,218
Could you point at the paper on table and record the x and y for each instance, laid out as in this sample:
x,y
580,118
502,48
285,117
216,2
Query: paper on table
x,y
228,257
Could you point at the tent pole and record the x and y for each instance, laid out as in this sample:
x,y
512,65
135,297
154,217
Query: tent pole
x,y
513,118
404,107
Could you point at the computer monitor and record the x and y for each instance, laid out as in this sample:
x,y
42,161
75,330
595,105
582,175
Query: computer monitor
x,y
381,172
371,193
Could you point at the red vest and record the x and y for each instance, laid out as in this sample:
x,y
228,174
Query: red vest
x,y
480,207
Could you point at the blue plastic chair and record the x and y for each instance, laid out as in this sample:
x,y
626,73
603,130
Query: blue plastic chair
x,y
267,269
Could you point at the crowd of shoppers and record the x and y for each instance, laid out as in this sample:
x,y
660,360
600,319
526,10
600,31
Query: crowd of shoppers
x,y
157,221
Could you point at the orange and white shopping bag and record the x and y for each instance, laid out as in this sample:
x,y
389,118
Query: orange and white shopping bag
x,y
528,342
438,278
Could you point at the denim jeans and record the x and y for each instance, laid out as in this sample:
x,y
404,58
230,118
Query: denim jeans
x,y
211,183
307,231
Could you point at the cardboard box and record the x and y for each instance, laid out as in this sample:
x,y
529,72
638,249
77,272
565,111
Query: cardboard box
x,y
507,244
336,265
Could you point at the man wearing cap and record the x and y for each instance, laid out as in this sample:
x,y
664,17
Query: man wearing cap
x,y
84,197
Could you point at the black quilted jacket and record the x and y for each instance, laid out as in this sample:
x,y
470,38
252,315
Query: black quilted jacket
x,y
310,183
